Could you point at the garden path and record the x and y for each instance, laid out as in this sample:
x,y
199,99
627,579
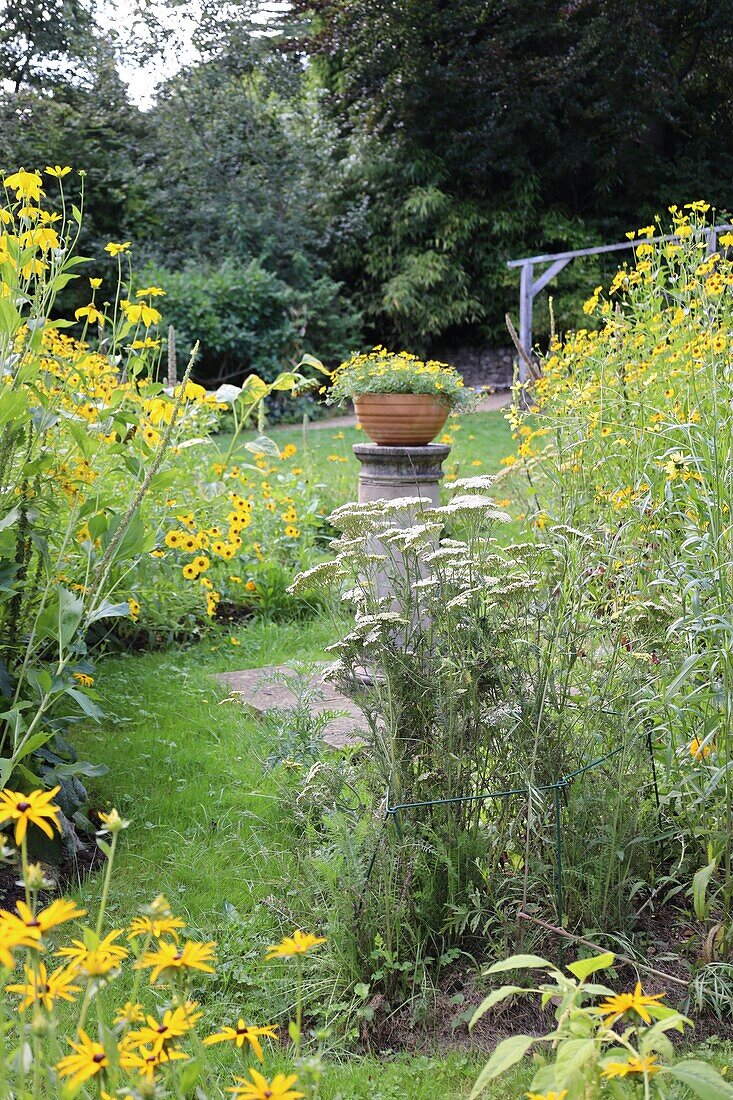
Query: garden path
x,y
264,689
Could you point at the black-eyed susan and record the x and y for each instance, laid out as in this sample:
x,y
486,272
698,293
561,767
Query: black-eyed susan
x,y
131,1013
95,961
157,1034
259,1088
202,563
89,1059
58,912
134,609
12,936
42,988
241,1034
699,748
292,532
189,544
156,926
297,944
169,959
84,679
217,547
35,809
190,572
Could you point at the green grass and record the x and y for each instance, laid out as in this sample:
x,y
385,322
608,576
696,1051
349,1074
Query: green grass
x,y
481,440
209,830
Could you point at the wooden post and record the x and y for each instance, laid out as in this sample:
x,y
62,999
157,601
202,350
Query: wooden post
x,y
526,298
172,364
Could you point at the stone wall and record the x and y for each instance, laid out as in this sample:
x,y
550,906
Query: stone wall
x,y
482,366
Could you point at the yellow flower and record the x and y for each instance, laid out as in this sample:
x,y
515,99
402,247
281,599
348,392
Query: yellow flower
x,y
242,1034
292,532
58,171
192,392
150,292
134,609
14,934
26,185
259,1088
551,1095
140,311
170,959
112,822
146,1061
91,313
620,1003
251,586
88,1059
158,1033
156,926
84,680
289,450
43,988
95,283
130,1013
297,944
34,808
699,750
190,572
97,961
58,912
173,539
116,249
646,1065
151,437
201,563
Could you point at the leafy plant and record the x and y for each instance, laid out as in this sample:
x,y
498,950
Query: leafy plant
x,y
618,1046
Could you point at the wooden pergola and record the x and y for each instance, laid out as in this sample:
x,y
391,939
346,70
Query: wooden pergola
x,y
529,287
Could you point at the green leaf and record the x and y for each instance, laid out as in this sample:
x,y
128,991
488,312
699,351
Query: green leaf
x,y
701,1079
294,1032
107,610
10,319
506,1055
71,608
286,380
583,967
521,962
700,883
311,361
572,1055
35,741
13,404
495,998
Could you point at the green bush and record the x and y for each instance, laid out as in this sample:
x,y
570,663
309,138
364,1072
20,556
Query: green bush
x,y
247,319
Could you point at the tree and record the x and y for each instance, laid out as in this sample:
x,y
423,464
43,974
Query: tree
x,y
39,39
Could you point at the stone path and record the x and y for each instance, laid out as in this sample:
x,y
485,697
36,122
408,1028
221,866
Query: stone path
x,y
254,686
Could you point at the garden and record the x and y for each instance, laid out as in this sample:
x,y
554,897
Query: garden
x,y
204,897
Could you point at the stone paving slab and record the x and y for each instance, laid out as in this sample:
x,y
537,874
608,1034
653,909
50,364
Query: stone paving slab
x,y
255,688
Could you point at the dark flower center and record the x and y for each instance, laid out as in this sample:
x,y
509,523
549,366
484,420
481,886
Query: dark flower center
x,y
98,1058
23,806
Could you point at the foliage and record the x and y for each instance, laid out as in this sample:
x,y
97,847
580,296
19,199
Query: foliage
x,y
629,435
88,535
146,1040
247,319
475,687
383,371
615,1046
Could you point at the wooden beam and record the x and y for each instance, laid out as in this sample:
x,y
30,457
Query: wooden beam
x,y
525,316
552,271
598,249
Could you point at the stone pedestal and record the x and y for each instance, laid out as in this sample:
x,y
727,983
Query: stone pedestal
x,y
391,472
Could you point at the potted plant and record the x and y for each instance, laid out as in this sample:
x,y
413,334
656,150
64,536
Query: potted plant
x,y
400,400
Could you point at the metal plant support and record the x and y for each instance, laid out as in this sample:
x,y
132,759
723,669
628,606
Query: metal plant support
x,y
529,287
392,813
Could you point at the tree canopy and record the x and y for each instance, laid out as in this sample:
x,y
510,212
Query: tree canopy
x,y
381,161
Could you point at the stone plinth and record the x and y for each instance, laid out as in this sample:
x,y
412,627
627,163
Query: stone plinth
x,y
391,472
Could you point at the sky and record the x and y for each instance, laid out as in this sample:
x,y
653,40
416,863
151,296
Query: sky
x,y
119,16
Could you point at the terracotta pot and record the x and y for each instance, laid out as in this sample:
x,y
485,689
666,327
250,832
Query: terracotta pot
x,y
401,419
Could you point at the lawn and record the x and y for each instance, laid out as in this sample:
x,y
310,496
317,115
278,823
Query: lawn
x,y
208,826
